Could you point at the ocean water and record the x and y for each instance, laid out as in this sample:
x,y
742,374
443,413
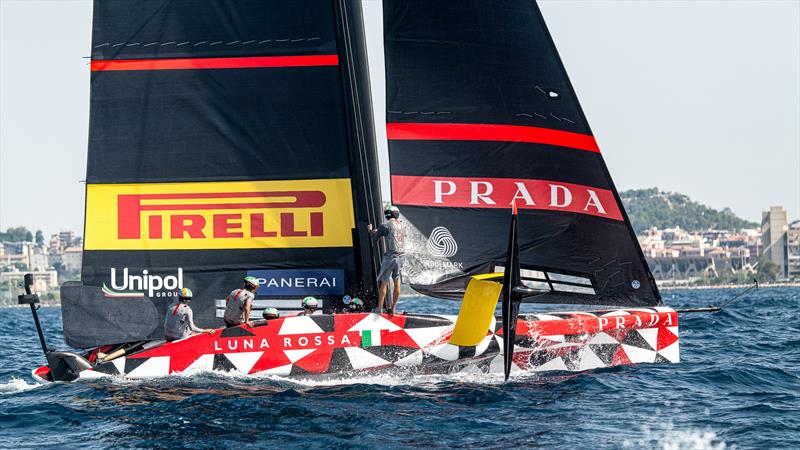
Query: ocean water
x,y
737,387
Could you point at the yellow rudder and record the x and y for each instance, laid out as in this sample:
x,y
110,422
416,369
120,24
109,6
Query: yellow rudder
x,y
477,309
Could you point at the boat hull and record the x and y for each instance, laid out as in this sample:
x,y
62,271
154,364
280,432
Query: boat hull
x,y
344,344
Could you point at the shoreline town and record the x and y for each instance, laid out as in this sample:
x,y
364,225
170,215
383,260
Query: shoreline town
x,y
678,258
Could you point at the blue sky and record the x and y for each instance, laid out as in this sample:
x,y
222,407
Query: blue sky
x,y
700,97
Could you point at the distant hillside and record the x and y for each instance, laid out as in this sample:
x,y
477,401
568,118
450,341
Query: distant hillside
x,y
653,208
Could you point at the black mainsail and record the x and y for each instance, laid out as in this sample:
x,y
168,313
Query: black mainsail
x,y
481,115
226,139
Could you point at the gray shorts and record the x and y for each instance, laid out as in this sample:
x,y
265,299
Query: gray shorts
x,y
391,268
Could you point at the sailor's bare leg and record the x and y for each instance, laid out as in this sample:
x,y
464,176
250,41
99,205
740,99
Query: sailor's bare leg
x,y
396,294
382,285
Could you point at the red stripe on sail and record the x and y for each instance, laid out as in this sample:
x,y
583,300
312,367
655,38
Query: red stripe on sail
x,y
489,132
461,192
249,62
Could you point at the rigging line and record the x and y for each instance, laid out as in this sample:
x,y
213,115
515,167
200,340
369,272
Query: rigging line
x,y
712,308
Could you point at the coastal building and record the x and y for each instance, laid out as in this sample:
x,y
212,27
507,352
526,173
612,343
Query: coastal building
x,y
71,259
774,238
63,240
678,255
43,280
793,249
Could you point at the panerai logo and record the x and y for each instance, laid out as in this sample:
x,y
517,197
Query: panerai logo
x,y
127,284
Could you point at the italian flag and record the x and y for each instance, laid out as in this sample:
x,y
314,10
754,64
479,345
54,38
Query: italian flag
x,y
370,338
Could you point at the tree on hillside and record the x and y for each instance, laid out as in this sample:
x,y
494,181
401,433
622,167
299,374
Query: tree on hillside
x,y
39,238
653,208
16,234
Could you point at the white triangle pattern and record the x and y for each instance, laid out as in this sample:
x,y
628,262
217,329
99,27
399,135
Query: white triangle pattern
x,y
243,361
602,338
299,325
362,359
672,352
297,355
554,364
424,336
119,363
639,355
483,345
411,360
205,363
375,322
650,335
589,360
156,366
447,352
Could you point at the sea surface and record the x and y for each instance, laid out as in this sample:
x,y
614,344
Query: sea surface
x,y
738,386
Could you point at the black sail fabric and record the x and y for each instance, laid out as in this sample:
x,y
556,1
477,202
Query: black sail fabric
x,y
223,142
481,115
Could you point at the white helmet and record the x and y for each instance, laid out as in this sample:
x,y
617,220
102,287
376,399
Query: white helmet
x,y
310,303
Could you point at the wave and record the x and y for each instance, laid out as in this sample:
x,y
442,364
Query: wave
x,y
15,385
667,437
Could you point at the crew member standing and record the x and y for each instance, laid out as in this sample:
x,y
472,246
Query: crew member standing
x,y
179,322
239,302
392,264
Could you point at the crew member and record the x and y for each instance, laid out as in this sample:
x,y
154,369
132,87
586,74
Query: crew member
x,y
309,306
392,263
239,302
270,313
179,322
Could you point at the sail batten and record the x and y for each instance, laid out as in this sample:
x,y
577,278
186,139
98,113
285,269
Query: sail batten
x,y
481,116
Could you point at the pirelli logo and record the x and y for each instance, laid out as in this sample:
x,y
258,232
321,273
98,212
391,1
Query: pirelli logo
x,y
219,215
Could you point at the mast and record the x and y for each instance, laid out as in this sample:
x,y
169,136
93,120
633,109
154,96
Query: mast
x,y
363,163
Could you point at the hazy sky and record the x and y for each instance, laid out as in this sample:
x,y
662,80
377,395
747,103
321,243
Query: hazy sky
x,y
700,97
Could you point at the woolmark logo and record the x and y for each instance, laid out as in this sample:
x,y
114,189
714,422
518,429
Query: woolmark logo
x,y
441,243
133,285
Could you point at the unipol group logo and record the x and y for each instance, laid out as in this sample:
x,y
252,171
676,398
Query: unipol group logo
x,y
441,243
126,283
221,215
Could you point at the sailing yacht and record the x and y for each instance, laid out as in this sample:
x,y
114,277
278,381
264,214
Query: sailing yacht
x,y
233,139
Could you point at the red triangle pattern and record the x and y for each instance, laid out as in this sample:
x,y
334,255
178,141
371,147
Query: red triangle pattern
x,y
665,338
620,358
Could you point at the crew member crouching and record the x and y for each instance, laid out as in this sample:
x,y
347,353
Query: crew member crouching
x,y
310,305
270,314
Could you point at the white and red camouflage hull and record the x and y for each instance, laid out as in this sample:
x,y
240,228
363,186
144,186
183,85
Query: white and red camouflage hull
x,y
344,344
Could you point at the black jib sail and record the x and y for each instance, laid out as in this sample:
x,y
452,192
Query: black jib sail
x,y
480,115
226,139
